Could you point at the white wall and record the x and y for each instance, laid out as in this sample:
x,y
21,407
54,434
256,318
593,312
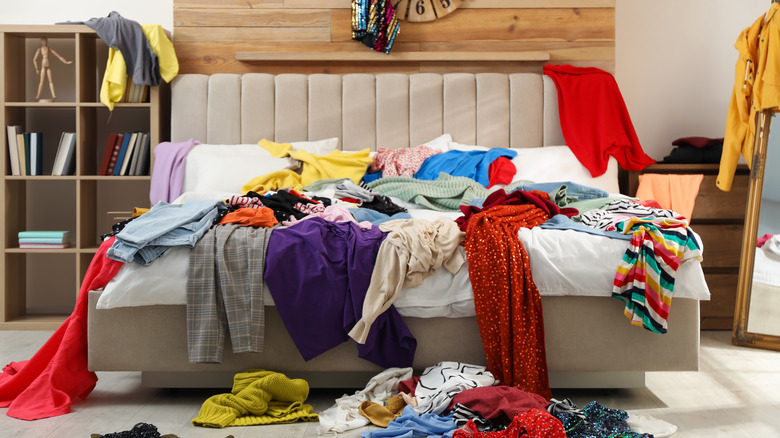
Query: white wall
x,y
55,11
674,59
675,65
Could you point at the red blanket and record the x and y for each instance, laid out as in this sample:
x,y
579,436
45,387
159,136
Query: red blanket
x,y
594,119
45,385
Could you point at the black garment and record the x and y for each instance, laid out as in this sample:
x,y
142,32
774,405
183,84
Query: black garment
x,y
283,204
140,430
383,204
685,154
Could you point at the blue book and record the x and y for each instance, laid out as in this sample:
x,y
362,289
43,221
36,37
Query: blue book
x,y
43,239
121,157
55,234
36,153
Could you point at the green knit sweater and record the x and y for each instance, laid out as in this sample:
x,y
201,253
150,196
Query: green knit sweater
x,y
258,397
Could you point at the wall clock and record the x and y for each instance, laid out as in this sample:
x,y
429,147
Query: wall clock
x,y
424,10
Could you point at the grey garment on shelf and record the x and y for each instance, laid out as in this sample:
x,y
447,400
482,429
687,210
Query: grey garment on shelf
x,y
128,36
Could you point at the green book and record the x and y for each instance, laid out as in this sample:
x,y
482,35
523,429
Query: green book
x,y
43,234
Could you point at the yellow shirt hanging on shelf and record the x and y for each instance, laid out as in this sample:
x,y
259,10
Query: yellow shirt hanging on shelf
x,y
115,78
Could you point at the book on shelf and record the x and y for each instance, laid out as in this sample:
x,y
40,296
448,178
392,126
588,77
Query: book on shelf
x,y
142,164
107,151
115,154
129,153
63,161
27,163
21,153
43,239
44,233
36,153
122,152
25,245
13,151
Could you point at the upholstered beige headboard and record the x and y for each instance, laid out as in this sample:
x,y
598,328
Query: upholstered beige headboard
x,y
364,110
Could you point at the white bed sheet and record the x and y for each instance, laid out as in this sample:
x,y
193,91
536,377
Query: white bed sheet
x,y
561,264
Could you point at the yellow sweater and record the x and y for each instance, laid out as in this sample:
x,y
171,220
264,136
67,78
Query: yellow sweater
x,y
336,164
115,77
258,397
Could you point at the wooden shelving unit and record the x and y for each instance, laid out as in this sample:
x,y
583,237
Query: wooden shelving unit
x,y
39,287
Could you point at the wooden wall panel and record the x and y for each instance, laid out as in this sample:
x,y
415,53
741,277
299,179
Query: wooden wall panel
x,y
208,33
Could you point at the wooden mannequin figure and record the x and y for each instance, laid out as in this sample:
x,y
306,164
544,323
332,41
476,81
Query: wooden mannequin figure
x,y
45,70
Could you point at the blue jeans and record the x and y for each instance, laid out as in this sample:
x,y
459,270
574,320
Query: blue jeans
x,y
165,225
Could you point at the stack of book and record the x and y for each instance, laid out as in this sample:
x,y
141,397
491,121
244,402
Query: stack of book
x,y
44,239
25,151
126,154
135,93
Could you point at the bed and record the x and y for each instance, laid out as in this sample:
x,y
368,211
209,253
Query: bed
x,y
589,342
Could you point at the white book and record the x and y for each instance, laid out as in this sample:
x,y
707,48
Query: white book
x,y
65,151
129,154
13,150
139,141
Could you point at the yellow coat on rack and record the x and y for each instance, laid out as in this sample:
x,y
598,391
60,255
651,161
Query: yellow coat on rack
x,y
756,88
115,78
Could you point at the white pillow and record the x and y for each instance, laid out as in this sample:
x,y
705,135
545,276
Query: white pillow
x,y
319,147
440,143
465,147
203,196
163,282
226,168
558,163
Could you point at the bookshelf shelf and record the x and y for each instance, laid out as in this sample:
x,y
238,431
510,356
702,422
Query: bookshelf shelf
x,y
77,202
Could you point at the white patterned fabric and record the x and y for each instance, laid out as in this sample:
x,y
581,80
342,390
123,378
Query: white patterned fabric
x,y
440,383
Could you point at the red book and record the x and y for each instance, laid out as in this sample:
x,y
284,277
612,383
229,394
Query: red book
x,y
114,154
109,149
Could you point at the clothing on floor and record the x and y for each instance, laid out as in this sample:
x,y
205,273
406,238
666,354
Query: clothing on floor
x,y
439,383
411,252
225,292
140,430
345,415
258,397
170,160
594,119
380,414
673,192
533,423
507,303
501,403
413,425
321,300
45,385
596,421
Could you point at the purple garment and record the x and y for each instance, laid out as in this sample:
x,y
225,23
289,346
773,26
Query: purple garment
x,y
168,174
318,273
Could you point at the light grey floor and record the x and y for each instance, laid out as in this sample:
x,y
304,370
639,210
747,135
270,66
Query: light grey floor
x,y
735,394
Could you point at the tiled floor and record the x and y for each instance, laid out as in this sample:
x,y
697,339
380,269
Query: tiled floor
x,y
735,394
